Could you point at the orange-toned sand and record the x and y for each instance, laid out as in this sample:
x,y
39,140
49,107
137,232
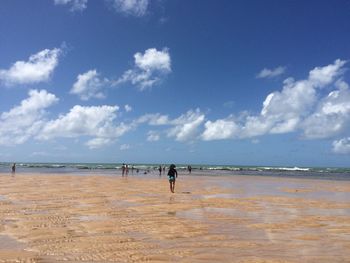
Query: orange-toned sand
x,y
71,218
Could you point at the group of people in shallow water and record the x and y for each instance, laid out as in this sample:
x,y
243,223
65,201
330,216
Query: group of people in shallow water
x,y
172,173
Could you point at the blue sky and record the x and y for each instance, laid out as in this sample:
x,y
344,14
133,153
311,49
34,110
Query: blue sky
x,y
216,82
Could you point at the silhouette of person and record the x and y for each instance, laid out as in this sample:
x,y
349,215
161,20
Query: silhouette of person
x,y
189,168
123,169
13,168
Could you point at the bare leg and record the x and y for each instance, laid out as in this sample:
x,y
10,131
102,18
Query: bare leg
x,y
172,186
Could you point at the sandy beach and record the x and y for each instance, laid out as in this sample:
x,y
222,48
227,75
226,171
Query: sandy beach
x,y
72,218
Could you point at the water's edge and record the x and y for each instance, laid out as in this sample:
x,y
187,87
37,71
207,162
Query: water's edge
x,y
329,173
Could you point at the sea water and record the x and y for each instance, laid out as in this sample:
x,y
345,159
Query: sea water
x,y
330,173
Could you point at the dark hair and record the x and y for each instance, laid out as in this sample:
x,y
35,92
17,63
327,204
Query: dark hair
x,y
172,166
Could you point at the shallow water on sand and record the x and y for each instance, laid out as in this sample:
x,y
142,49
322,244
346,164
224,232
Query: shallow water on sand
x,y
8,242
208,219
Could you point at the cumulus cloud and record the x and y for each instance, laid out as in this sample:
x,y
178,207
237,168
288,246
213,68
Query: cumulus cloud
x,y
26,120
271,73
75,5
317,107
183,128
29,121
149,69
322,76
186,127
342,146
219,130
95,121
153,119
153,60
296,106
38,68
153,136
98,142
127,108
131,7
89,85
332,115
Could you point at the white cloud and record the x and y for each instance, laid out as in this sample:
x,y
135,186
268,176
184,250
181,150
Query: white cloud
x,y
38,68
220,129
332,115
153,60
96,143
271,73
153,119
342,146
186,126
295,107
95,121
24,121
153,136
89,85
76,5
127,108
284,111
322,76
295,99
149,69
28,121
131,7
124,147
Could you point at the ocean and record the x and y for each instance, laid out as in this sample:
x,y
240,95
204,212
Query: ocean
x,y
329,173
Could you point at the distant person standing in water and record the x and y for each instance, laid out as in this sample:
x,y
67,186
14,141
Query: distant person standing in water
x,y
189,168
13,168
160,170
123,169
172,174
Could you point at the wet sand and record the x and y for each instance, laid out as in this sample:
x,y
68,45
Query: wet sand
x,y
71,218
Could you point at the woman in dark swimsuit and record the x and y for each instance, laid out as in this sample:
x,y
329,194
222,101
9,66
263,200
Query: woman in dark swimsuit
x,y
172,174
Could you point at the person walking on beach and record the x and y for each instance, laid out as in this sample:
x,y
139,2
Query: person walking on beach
x,y
172,174
160,170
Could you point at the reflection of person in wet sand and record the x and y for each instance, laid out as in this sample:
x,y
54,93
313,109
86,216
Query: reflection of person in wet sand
x,y
172,174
